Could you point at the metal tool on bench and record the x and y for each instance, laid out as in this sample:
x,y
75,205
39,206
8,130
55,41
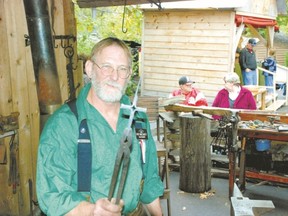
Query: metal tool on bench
x,y
123,155
8,128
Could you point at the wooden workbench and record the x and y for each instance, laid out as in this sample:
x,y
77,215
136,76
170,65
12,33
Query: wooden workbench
x,y
271,134
244,115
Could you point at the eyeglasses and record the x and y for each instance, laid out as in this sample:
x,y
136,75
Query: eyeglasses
x,y
107,70
228,82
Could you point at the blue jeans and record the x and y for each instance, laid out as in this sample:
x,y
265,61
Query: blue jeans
x,y
284,89
269,82
249,78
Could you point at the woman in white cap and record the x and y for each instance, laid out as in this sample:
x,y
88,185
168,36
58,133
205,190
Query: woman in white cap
x,y
233,95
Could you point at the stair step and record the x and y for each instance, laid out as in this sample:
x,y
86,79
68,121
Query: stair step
x,y
275,105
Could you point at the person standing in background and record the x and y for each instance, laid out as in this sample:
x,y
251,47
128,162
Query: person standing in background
x,y
269,64
248,63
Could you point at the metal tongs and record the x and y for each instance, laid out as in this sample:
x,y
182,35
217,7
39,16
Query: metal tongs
x,y
123,155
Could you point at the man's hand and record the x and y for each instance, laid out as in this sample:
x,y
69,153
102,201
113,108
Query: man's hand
x,y
103,207
247,70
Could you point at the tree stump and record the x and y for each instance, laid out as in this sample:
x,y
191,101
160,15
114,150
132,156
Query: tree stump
x,y
195,154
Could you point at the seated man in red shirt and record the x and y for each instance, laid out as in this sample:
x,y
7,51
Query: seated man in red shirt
x,y
193,96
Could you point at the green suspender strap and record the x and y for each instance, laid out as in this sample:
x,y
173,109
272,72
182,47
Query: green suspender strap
x,y
84,159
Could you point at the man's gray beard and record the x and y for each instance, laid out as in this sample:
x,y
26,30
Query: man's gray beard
x,y
106,95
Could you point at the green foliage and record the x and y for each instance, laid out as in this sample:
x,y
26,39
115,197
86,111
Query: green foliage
x,y
282,21
98,23
85,26
131,88
110,23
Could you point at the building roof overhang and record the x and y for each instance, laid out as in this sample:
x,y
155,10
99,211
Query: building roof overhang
x,y
109,3
256,22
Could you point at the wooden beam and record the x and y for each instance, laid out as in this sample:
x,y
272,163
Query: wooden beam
x,y
208,110
256,33
245,115
239,32
109,3
267,177
270,36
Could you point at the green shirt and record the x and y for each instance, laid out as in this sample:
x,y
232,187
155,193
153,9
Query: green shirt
x,y
56,183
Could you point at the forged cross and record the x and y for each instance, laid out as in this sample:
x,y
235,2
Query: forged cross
x,y
123,154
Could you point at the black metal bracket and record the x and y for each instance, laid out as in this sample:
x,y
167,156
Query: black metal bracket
x,y
27,40
67,44
65,40
158,4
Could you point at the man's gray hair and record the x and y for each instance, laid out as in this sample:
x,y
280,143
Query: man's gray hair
x,y
98,47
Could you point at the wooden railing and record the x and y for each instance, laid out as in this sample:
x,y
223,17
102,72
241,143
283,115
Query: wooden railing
x,y
280,77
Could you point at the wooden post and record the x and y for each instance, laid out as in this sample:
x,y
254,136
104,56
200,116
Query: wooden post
x,y
195,156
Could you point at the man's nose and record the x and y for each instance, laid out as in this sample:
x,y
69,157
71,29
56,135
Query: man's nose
x,y
114,75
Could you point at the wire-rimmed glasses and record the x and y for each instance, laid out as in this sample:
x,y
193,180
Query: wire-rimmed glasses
x,y
107,70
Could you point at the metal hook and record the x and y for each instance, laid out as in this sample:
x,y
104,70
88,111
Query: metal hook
x,y
157,4
124,30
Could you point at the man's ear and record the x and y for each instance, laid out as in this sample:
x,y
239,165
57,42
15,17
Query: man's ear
x,y
89,68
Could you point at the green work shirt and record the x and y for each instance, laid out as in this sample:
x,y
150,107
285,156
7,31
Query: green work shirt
x,y
56,179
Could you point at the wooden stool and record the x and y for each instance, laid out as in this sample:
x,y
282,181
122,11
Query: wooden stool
x,y
164,174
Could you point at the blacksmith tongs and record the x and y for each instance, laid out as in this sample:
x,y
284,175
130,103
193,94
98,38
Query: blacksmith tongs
x,y
123,155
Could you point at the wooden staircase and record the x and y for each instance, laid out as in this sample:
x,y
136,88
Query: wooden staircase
x,y
275,105
275,101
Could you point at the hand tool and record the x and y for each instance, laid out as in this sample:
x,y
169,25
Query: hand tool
x,y
123,154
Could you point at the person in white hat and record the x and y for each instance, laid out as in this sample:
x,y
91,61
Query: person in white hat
x,y
233,95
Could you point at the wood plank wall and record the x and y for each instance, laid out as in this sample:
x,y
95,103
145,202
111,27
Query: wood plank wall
x,y
5,92
196,43
280,48
18,94
261,8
